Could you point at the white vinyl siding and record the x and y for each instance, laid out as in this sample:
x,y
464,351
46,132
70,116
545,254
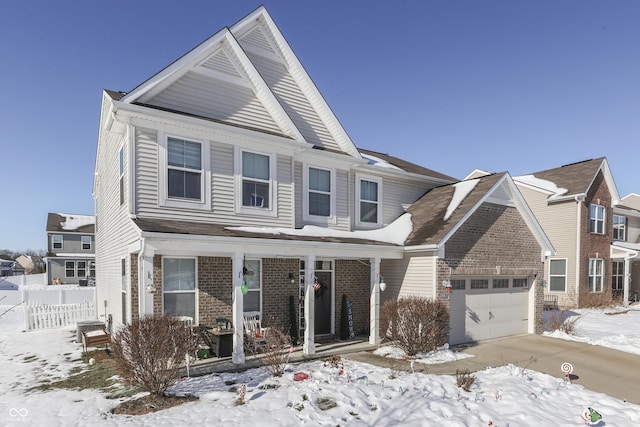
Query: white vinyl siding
x,y
412,275
213,98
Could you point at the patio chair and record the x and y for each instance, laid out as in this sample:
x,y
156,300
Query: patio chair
x,y
254,333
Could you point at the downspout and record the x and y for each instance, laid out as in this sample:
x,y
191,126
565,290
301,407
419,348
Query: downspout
x,y
578,259
142,290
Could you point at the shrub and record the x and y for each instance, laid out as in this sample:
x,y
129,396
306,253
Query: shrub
x,y
596,300
560,320
418,325
150,351
273,350
464,379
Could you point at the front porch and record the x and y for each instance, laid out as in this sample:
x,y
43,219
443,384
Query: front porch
x,y
322,350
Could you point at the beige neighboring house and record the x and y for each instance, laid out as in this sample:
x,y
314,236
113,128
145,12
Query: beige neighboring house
x,y
625,249
31,263
575,204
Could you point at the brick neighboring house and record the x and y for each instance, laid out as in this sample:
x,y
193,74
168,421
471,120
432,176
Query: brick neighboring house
x,y
224,185
70,249
575,204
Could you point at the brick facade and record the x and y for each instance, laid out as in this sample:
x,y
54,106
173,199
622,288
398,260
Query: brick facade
x,y
215,287
352,278
277,287
594,245
495,241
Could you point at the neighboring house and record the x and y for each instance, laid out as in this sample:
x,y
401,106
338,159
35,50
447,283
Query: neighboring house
x,y
7,267
70,249
625,249
574,204
31,263
224,185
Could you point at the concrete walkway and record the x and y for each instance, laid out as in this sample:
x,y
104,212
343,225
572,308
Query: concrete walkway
x,y
600,369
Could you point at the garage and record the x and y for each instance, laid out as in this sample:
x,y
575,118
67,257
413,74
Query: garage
x,y
488,308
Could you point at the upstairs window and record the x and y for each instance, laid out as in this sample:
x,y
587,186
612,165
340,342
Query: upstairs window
x,y
319,192
596,219
595,274
184,170
256,180
619,228
368,199
86,243
56,241
500,283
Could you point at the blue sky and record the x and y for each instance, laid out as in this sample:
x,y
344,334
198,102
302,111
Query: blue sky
x,y
452,85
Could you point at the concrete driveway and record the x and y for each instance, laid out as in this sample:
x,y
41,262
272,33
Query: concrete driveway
x,y
600,369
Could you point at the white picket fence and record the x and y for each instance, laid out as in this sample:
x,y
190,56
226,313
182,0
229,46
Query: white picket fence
x,y
45,316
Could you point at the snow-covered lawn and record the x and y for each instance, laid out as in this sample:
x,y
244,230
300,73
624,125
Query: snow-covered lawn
x,y
362,395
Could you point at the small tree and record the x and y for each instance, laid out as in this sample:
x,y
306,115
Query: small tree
x,y
150,351
417,324
274,349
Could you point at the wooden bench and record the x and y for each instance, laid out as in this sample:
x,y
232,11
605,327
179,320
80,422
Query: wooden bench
x,y
95,338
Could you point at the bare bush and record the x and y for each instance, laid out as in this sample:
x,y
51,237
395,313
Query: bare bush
x,y
273,349
464,379
417,324
150,351
596,300
560,320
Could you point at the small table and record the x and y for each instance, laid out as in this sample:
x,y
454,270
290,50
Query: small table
x,y
221,342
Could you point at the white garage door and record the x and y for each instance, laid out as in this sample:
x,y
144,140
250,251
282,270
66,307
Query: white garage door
x,y
486,313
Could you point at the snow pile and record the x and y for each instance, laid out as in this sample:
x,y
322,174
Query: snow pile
x,y
542,184
462,189
73,222
442,355
376,161
395,233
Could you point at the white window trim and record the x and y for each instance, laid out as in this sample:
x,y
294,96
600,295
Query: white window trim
x,y
272,210
622,228
53,236
615,275
589,276
378,180
331,219
163,171
195,290
82,243
259,312
597,219
75,273
566,269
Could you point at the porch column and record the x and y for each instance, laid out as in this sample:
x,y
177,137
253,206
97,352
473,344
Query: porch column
x,y
625,285
147,288
309,346
237,355
374,302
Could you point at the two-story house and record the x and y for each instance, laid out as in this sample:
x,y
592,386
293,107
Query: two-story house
x,y
574,204
224,185
70,249
625,249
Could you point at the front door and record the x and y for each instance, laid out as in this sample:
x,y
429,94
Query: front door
x,y
323,303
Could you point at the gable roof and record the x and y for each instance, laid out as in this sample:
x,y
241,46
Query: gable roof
x,y
71,223
248,76
441,211
571,180
375,157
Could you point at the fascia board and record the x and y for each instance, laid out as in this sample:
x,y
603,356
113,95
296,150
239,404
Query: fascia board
x,y
364,166
139,115
627,212
299,74
176,68
533,187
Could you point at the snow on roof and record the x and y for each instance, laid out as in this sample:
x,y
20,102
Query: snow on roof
x,y
395,233
376,161
462,189
542,184
73,222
